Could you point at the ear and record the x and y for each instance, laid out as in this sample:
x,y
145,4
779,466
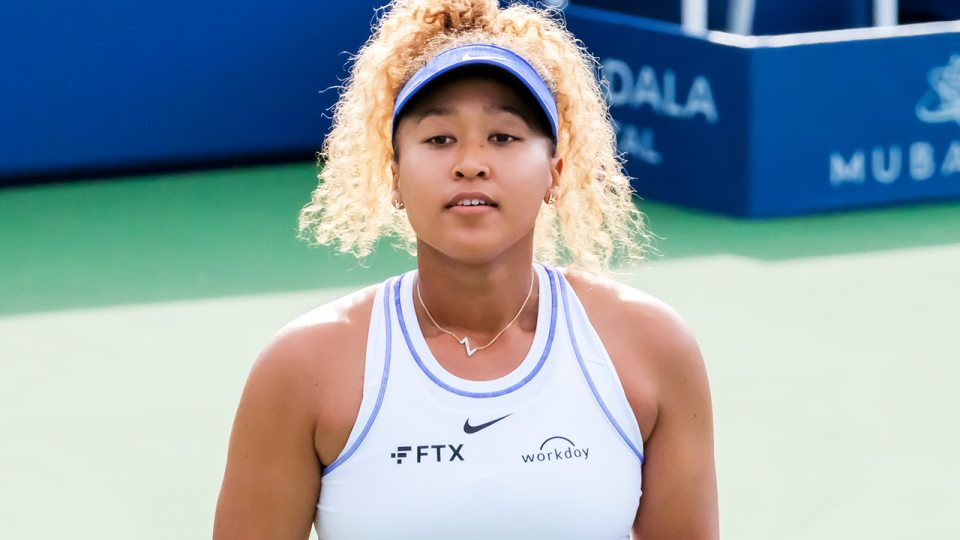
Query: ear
x,y
556,168
395,183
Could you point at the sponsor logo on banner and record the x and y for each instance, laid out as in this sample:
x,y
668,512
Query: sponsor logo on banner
x,y
626,90
887,164
942,102
922,160
646,88
638,143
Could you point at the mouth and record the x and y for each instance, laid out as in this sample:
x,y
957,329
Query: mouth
x,y
471,200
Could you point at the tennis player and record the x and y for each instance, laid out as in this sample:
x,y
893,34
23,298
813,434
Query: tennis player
x,y
486,394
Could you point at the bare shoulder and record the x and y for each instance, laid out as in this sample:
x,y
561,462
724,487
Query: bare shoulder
x,y
343,314
311,372
621,313
652,348
665,381
295,414
317,340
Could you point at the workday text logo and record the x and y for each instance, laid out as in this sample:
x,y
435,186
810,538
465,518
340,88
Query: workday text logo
x,y
942,102
556,449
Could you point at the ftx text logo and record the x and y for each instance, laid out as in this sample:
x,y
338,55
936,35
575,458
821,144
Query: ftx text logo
x,y
425,452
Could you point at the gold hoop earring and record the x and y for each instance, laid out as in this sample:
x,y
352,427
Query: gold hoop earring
x,y
552,199
398,205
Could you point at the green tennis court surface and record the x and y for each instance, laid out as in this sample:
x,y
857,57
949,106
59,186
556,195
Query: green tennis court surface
x,y
130,312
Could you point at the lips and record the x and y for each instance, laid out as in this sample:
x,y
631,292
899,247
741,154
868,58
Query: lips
x,y
471,200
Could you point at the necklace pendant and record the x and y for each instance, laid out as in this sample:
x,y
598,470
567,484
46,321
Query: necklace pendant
x,y
466,343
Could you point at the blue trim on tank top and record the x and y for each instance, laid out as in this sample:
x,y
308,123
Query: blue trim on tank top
x,y
447,387
383,385
586,374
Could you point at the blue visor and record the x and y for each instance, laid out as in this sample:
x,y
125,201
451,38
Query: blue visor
x,y
482,54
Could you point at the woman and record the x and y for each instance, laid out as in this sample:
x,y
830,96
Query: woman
x,y
482,395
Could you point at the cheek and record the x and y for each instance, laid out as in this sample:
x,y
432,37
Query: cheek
x,y
537,169
533,174
410,173
418,161
417,182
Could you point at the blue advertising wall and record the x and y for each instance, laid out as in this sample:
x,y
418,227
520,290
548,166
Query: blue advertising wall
x,y
769,16
746,126
675,118
856,122
783,124
97,85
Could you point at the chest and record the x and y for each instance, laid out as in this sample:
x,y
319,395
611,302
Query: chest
x,y
545,465
551,449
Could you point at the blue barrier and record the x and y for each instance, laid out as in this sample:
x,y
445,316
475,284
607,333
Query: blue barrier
x,y
779,125
789,16
770,16
747,126
93,85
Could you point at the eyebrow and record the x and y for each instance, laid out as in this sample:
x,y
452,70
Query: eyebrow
x,y
447,111
509,110
434,111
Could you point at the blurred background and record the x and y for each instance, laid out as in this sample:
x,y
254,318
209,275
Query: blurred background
x,y
799,162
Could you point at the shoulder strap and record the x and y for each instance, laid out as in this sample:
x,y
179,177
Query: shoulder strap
x,y
376,372
598,370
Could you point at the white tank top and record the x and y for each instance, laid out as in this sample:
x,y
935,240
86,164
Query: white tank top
x,y
551,450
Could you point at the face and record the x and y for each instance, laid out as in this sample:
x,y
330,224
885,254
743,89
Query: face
x,y
470,141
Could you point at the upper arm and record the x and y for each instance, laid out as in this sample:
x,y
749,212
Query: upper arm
x,y
665,381
298,406
272,478
679,474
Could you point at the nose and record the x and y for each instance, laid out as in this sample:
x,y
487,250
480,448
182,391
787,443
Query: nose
x,y
472,163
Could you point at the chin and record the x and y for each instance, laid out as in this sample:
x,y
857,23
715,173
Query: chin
x,y
473,255
485,252
476,247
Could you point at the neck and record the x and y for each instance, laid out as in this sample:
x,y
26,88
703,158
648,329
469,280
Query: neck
x,y
476,299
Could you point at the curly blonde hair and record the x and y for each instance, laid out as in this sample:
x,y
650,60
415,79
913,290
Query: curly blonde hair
x,y
593,220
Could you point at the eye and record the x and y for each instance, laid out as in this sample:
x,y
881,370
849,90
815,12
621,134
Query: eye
x,y
439,140
503,138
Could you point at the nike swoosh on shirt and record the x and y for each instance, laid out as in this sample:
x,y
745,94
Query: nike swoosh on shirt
x,y
468,429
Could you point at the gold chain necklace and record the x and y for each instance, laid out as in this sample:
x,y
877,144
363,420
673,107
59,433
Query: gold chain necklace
x,y
466,340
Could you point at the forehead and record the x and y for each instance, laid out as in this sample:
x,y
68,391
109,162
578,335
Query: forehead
x,y
489,93
488,86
